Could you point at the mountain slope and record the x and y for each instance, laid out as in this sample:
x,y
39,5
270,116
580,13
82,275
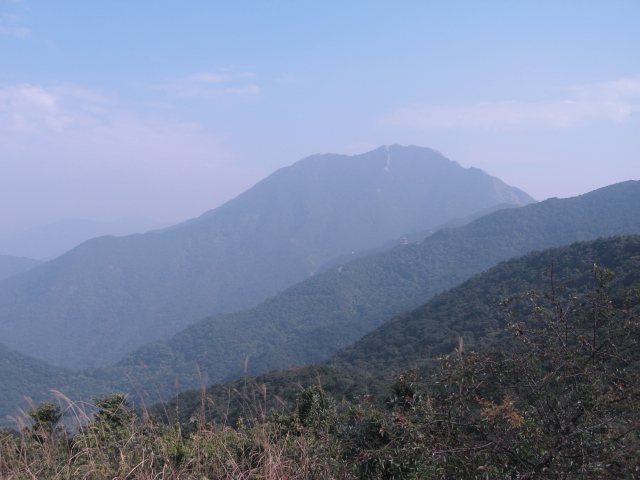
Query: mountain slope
x,y
470,311
23,376
313,319
111,295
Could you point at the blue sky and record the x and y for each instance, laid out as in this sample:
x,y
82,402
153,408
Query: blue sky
x,y
167,109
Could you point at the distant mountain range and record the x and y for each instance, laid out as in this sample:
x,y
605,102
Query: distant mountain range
x,y
310,321
46,242
111,295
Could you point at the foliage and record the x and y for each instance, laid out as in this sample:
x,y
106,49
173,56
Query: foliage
x,y
314,411
576,383
45,420
312,320
417,338
561,400
113,411
469,310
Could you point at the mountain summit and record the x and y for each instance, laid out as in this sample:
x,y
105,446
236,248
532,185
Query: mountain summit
x,y
110,295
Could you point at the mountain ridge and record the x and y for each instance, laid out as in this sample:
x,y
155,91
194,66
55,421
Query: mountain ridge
x,y
111,295
417,338
312,319
309,321
46,242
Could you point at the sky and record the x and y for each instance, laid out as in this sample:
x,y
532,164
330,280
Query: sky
x,y
167,109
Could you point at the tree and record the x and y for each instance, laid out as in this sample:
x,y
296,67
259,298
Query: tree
x,y
46,418
113,411
560,401
564,402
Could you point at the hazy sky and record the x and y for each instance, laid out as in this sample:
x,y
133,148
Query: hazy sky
x,y
167,109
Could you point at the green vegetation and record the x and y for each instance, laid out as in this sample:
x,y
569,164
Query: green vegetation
x,y
22,376
559,400
414,339
312,320
468,310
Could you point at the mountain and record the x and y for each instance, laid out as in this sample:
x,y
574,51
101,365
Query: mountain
x,y
413,237
10,266
46,242
313,319
470,311
111,295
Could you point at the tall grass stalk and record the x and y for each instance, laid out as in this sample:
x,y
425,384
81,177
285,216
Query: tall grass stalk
x,y
143,448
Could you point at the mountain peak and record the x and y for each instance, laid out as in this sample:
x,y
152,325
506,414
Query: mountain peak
x,y
110,295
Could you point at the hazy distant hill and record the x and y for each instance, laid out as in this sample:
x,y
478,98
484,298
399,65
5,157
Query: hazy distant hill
x,y
10,266
416,338
414,237
23,376
48,241
111,295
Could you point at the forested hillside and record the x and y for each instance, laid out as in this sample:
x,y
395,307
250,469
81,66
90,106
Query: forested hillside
x,y
23,376
470,315
527,370
472,311
312,320
111,295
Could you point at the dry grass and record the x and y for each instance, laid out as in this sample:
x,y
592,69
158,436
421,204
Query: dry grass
x,y
148,450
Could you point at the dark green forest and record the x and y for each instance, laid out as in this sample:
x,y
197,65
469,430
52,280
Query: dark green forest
x,y
315,318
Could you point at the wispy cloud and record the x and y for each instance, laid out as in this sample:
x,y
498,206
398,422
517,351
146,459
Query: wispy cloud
x,y
7,26
614,101
220,77
211,85
26,108
88,154
79,121
71,127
